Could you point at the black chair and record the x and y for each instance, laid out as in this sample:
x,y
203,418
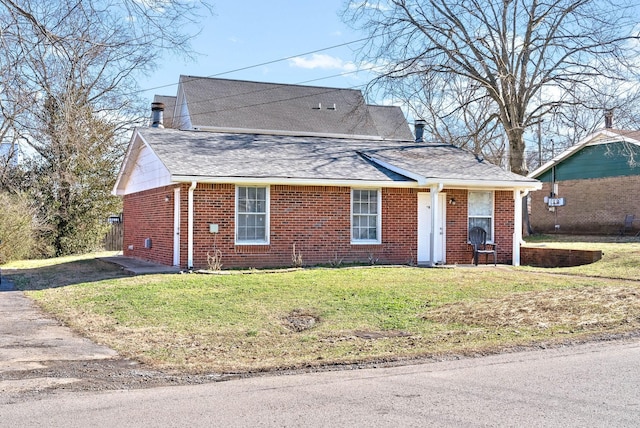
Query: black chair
x,y
478,240
628,224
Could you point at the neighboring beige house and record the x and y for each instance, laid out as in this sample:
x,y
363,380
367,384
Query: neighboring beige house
x,y
590,187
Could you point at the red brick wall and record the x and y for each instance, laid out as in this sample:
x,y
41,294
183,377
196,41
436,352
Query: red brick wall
x,y
556,257
317,219
504,225
148,215
595,206
458,251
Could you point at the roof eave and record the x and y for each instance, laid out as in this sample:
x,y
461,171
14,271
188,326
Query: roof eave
x,y
221,129
486,184
588,140
423,181
117,191
427,182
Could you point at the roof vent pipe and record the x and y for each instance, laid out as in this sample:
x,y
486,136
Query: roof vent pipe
x,y
608,118
157,113
419,125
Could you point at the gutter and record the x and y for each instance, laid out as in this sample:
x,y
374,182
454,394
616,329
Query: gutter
x,y
190,226
415,181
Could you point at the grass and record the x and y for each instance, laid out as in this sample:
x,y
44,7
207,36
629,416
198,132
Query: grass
x,y
313,317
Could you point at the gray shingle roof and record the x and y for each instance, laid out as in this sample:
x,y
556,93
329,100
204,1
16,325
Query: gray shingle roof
x,y
236,104
211,154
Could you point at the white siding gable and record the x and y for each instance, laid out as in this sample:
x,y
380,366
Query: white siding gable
x,y
181,117
145,171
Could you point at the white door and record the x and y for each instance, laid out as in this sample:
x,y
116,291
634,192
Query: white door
x,y
176,227
424,228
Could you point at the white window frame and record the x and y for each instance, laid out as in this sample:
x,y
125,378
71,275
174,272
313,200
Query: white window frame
x,y
266,213
378,239
492,217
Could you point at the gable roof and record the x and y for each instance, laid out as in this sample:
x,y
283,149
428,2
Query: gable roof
x,y
257,107
604,136
213,157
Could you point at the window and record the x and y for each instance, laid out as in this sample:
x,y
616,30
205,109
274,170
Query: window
x,y
252,221
365,216
481,212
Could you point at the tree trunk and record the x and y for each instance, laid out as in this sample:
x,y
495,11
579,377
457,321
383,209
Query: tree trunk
x,y
517,161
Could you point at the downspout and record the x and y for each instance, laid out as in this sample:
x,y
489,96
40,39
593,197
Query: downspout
x,y
190,226
434,190
518,195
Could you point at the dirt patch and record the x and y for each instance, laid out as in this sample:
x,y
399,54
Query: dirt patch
x,y
300,320
115,374
582,307
371,335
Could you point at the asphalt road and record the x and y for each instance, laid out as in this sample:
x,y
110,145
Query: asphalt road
x,y
590,385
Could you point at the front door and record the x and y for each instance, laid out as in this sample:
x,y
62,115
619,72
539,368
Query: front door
x,y
424,229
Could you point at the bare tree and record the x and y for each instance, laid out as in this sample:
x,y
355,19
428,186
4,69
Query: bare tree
x,y
69,90
454,114
528,57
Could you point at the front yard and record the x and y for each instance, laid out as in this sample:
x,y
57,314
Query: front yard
x,y
313,317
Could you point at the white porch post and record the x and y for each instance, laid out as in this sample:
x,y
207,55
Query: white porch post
x,y
435,209
518,195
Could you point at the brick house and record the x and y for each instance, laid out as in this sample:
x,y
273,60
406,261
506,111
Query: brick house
x,y
597,180
274,167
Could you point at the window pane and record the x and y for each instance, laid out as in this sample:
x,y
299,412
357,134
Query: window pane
x,y
484,223
251,214
242,234
480,204
364,221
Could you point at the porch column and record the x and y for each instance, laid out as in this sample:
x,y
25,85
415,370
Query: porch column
x,y
518,195
435,209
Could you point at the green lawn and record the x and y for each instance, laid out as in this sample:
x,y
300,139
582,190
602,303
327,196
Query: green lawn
x,y
311,317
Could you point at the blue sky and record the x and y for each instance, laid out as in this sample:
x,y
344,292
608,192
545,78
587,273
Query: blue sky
x,y
246,33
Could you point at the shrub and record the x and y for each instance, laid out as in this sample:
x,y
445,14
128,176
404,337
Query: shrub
x,y
17,228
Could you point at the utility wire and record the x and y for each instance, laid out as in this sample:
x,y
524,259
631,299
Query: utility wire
x,y
272,87
264,63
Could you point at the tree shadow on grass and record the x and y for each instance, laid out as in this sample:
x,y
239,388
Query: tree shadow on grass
x,y
63,274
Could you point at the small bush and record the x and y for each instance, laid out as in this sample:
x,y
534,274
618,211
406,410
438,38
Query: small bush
x,y
17,228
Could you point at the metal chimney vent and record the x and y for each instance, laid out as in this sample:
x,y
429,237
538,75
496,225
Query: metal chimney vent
x,y
608,119
157,113
419,125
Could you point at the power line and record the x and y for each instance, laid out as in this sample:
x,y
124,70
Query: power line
x,y
270,87
263,63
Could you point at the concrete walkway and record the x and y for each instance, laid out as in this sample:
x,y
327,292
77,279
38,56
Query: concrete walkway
x,y
139,267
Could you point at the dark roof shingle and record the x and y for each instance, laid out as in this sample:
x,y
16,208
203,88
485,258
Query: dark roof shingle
x,y
271,107
212,154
